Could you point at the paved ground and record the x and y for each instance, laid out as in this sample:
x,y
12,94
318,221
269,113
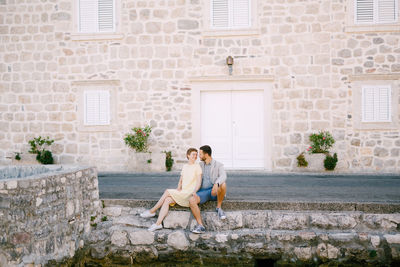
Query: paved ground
x,y
264,186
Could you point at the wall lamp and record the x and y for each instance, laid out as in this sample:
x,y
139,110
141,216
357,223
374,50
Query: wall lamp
x,y
229,62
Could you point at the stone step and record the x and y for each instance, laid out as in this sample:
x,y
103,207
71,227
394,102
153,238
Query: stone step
x,y
232,205
261,219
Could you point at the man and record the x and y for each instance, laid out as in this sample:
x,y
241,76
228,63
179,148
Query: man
x,y
213,187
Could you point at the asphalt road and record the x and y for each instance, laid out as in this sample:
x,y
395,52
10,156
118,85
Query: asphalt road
x,y
264,186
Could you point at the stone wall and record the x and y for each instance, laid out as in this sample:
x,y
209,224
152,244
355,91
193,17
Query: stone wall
x,y
291,237
45,214
304,46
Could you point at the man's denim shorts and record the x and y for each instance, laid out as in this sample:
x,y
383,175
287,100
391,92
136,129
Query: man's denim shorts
x,y
205,195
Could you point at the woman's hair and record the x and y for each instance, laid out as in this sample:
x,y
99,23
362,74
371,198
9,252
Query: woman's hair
x,y
190,150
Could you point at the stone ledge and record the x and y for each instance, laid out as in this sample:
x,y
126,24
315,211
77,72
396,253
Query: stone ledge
x,y
230,205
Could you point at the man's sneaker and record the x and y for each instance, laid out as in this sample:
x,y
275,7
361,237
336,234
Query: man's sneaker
x,y
155,227
199,229
221,213
147,214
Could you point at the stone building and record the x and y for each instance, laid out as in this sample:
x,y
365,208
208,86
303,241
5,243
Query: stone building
x,y
85,72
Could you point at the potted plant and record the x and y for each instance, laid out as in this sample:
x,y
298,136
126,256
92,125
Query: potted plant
x,y
38,147
142,160
318,152
169,161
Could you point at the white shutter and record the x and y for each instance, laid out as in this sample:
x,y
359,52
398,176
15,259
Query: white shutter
x,y
241,13
384,110
232,14
96,16
97,108
88,15
368,104
106,15
376,104
219,13
387,11
364,11
376,11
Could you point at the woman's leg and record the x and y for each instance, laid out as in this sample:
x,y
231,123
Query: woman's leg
x,y
164,209
160,202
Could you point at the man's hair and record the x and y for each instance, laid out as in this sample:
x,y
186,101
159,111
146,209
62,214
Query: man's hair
x,y
206,149
190,150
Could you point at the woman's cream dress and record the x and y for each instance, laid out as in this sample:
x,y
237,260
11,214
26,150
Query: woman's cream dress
x,y
189,178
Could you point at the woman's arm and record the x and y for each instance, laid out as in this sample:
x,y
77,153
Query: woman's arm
x,y
198,183
179,188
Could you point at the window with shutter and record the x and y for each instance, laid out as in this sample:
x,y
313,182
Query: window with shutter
x,y
230,14
96,16
376,103
97,107
375,11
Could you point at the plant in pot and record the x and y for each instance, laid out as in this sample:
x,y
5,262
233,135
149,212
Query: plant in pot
x,y
138,139
169,161
143,160
330,162
38,147
320,142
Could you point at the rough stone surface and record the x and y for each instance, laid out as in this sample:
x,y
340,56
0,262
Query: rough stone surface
x,y
176,219
49,210
307,49
142,237
178,240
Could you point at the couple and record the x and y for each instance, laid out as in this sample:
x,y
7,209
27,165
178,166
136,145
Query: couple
x,y
212,187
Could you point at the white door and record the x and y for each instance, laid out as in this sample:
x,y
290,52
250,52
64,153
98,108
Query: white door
x,y
232,124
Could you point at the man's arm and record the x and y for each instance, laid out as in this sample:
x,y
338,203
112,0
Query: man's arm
x,y
221,174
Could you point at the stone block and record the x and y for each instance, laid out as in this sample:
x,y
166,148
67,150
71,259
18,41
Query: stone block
x,y
386,222
119,238
178,240
234,220
141,237
255,219
185,24
287,221
334,221
303,253
177,219
392,239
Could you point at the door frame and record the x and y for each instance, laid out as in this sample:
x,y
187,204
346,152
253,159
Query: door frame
x,y
234,83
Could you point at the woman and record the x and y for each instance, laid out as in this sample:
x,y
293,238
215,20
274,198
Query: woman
x,y
189,183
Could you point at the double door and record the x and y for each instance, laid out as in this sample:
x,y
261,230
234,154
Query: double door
x,y
232,123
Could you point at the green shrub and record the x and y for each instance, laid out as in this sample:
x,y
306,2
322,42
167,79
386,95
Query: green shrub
x,y
17,156
169,161
330,162
38,146
301,160
138,140
320,142
45,157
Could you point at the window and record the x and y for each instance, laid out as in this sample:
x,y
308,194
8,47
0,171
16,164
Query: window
x,y
230,14
97,107
376,103
375,11
96,16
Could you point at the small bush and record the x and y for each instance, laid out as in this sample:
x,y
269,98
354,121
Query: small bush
x,y
104,219
45,157
138,140
169,161
17,156
38,146
321,142
301,161
330,162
